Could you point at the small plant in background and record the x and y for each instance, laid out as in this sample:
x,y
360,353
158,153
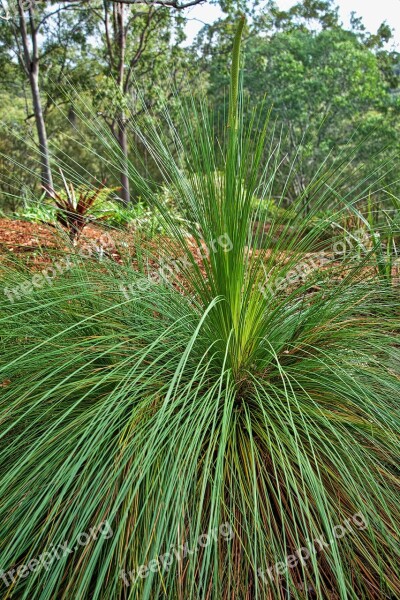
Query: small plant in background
x,y
385,237
378,235
36,210
137,216
268,210
371,234
75,207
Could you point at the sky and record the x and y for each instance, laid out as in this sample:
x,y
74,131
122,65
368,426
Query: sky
x,y
373,13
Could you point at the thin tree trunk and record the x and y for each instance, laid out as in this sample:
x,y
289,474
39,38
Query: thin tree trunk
x,y
31,66
120,34
124,175
46,176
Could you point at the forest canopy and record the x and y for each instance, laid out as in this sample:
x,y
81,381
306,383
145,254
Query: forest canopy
x,y
330,89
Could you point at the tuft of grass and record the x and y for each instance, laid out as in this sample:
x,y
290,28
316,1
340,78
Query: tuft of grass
x,y
216,402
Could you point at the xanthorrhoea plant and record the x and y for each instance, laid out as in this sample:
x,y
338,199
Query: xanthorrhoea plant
x,y
244,417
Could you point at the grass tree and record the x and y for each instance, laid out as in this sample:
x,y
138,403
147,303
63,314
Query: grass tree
x,y
232,433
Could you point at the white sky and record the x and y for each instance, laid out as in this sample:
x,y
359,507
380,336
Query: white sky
x,y
373,12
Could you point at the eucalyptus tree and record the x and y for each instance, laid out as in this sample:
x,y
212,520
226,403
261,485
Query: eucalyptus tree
x,y
328,87
138,37
39,35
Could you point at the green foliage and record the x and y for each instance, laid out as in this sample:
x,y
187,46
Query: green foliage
x,y
167,411
15,163
37,210
382,228
268,210
329,88
138,216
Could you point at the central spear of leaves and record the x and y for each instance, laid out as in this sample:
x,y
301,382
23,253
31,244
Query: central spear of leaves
x,y
235,70
235,278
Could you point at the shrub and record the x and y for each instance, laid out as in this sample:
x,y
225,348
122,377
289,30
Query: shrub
x,y
245,422
36,210
75,207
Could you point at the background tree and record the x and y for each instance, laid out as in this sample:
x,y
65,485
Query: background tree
x,y
329,87
138,42
136,39
41,36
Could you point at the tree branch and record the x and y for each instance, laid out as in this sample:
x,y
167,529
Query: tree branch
x,y
141,47
34,31
106,23
167,3
56,12
24,38
176,4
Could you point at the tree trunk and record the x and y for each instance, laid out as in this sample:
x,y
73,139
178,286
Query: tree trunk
x,y
46,176
30,61
120,33
124,175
